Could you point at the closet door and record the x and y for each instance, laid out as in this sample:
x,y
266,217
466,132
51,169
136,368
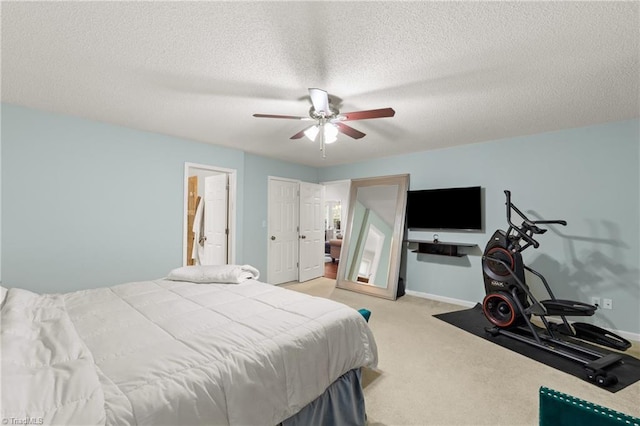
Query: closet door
x,y
311,247
283,231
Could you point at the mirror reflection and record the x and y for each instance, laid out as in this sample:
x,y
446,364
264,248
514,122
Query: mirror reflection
x,y
371,247
373,219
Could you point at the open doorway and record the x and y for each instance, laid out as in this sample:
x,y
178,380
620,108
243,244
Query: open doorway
x,y
336,209
209,215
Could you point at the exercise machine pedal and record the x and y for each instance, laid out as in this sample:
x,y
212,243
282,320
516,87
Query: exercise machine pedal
x,y
568,307
600,336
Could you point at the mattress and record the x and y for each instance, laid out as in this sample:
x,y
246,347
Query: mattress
x,y
167,352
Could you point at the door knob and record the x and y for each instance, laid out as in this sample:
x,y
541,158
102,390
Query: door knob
x,y
303,236
273,237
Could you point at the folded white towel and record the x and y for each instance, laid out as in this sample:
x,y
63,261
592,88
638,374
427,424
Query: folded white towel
x,y
225,274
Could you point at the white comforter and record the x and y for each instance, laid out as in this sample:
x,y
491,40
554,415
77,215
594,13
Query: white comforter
x,y
48,374
167,352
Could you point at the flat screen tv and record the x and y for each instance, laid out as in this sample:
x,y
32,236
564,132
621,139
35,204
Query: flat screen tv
x,y
447,208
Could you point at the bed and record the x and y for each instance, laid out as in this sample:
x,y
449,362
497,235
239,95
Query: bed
x,y
193,348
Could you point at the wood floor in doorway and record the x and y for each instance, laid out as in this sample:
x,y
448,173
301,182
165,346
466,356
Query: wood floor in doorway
x,y
331,269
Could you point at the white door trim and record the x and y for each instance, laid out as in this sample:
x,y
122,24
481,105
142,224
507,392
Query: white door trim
x,y
232,173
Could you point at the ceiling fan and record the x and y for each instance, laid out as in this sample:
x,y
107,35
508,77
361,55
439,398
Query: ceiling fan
x,y
329,121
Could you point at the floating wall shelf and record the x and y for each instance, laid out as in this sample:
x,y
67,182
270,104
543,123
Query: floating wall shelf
x,y
440,248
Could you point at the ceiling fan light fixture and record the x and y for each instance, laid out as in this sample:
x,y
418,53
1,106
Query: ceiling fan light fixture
x,y
329,120
311,133
330,133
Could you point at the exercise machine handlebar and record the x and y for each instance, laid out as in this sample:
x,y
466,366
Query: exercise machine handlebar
x,y
527,224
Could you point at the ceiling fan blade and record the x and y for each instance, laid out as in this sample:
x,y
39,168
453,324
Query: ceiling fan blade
x,y
320,100
290,117
364,115
349,131
300,134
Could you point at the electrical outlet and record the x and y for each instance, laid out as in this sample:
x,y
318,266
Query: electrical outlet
x,y
595,301
607,303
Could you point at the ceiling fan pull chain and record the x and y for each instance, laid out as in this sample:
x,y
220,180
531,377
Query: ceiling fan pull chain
x,y
322,145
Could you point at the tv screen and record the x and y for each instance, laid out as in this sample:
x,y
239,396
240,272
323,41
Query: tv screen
x,y
449,208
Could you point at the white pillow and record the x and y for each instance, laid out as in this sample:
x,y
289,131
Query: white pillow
x,y
225,274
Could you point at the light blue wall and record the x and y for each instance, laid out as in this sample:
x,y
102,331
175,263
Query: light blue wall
x,y
87,204
587,176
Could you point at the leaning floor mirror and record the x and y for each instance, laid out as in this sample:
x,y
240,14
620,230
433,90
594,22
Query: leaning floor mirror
x,y
370,255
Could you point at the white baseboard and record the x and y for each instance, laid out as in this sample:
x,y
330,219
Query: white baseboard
x,y
625,334
437,298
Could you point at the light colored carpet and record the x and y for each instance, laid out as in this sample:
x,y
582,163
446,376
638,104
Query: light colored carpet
x,y
432,373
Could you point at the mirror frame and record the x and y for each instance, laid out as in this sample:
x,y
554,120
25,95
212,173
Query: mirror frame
x,y
391,290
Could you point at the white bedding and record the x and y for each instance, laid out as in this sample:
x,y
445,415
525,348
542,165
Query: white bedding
x,y
48,374
169,352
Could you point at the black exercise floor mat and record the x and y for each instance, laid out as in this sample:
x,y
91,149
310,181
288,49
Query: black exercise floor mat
x,y
473,321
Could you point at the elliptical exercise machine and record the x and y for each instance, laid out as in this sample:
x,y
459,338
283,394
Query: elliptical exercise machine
x,y
509,304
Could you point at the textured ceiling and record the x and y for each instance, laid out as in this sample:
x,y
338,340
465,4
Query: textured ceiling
x,y
455,72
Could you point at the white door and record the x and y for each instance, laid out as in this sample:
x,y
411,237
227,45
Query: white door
x,y
283,231
201,172
215,220
311,250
